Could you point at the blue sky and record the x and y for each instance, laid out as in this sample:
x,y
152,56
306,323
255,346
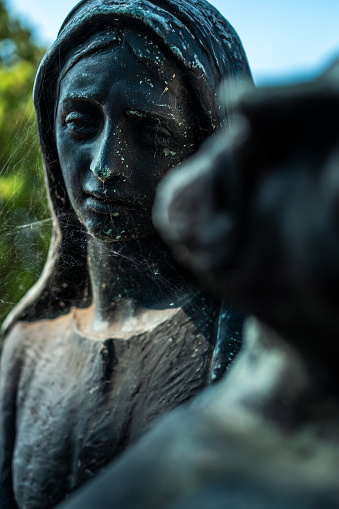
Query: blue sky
x,y
285,40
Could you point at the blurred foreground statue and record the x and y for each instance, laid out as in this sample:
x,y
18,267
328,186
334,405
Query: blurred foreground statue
x,y
257,217
256,214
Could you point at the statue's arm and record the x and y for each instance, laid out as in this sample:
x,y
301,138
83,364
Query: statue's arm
x,y
10,367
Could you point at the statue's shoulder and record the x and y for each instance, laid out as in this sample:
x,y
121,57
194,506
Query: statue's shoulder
x,y
24,336
13,342
13,351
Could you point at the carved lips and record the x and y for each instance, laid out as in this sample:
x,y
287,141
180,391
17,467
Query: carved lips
x,y
104,204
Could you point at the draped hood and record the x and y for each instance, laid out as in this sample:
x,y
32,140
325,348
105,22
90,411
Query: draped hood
x,y
191,32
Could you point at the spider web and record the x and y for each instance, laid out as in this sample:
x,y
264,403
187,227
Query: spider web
x,y
25,226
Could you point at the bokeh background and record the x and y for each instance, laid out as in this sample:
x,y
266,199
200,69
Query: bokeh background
x,y
285,41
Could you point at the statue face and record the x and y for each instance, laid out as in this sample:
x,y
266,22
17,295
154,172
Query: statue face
x,y
120,126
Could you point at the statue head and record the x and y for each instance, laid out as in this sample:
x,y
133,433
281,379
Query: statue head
x,y
125,114
127,91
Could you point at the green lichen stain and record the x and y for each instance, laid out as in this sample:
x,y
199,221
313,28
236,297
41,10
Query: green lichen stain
x,y
101,172
149,82
169,152
134,113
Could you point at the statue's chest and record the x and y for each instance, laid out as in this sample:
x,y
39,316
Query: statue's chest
x,y
81,402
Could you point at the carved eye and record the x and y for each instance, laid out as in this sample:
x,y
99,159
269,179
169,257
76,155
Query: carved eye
x,y
82,125
155,135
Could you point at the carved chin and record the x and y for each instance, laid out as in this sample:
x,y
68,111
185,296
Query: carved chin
x,y
108,230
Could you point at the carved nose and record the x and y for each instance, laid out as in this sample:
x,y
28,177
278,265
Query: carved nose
x,y
101,171
104,164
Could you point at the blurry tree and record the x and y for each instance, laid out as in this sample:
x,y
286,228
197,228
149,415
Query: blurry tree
x,y
24,218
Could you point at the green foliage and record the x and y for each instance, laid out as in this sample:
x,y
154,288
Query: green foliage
x,y
24,226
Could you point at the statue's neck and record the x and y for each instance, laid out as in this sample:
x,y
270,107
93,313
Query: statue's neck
x,y
133,275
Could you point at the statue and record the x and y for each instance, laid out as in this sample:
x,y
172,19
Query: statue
x,y
267,435
271,215
115,333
